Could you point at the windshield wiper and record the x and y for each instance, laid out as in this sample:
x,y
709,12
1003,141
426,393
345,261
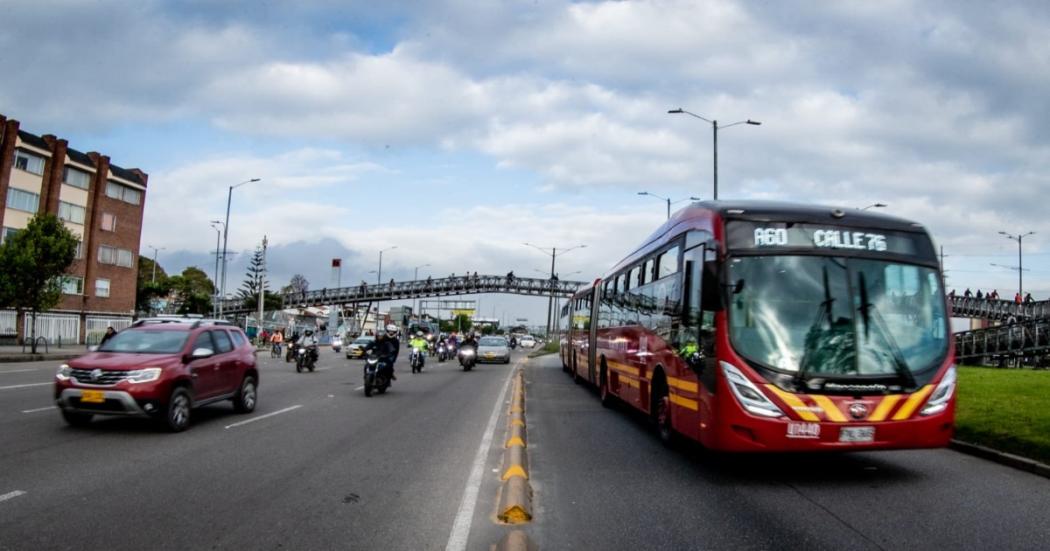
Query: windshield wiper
x,y
869,312
823,313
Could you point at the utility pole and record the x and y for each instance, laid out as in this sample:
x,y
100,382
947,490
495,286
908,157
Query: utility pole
x,y
262,288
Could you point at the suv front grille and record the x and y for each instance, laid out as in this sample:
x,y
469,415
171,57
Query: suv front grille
x,y
107,378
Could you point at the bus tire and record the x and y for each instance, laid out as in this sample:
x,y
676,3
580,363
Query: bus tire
x,y
660,410
604,394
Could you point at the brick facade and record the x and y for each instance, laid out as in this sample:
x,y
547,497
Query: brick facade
x,y
97,205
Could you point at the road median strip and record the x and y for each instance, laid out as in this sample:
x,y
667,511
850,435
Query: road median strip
x,y
515,502
515,540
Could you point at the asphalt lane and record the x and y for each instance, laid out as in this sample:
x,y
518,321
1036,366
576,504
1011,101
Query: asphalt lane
x,y
602,480
328,468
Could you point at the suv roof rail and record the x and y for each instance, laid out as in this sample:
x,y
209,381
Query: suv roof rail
x,y
196,321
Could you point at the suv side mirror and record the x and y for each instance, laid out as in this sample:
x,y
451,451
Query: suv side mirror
x,y
201,353
93,348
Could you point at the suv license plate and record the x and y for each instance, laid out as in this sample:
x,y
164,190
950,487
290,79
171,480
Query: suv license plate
x,y
857,434
93,397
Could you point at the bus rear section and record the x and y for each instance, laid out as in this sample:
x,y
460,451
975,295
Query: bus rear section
x,y
789,330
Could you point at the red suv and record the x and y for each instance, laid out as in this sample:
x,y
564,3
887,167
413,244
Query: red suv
x,y
160,368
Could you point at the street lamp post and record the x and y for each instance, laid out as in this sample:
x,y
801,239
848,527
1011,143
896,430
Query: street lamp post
x,y
553,255
415,277
669,202
379,273
714,129
1020,265
215,281
226,233
155,249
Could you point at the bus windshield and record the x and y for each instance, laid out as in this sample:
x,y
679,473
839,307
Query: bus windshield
x,y
837,316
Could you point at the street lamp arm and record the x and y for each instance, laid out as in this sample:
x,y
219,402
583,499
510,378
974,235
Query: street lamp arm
x,y
683,111
571,249
748,121
544,251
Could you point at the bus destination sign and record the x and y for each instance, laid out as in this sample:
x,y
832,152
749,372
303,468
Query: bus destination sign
x,y
775,235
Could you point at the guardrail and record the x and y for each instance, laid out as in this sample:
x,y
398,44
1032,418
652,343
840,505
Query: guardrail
x,y
448,286
1028,340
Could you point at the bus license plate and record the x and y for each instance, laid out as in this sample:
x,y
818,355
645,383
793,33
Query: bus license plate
x,y
857,434
93,397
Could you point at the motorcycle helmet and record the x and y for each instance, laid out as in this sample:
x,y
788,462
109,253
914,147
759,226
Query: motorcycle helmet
x,y
309,332
419,334
391,330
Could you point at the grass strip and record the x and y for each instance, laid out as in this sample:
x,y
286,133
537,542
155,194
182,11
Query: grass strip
x,y
1005,409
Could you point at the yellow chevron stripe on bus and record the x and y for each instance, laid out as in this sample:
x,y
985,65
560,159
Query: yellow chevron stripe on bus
x,y
885,407
831,411
682,384
913,403
684,402
795,403
623,368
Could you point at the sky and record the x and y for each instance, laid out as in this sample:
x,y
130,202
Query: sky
x,y
457,131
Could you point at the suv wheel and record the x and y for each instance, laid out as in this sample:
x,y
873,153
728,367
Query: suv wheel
x,y
177,415
77,419
246,397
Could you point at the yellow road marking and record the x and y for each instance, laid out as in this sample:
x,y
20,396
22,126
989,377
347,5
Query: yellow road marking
x,y
794,403
913,402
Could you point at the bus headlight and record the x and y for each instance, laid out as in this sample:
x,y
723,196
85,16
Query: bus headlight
x,y
748,394
941,395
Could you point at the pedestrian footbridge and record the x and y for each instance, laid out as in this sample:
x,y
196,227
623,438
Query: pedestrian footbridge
x,y
1023,333
407,290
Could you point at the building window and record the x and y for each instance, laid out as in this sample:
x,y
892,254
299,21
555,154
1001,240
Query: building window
x,y
8,233
22,200
76,177
109,222
80,250
29,162
72,285
124,258
123,193
113,255
101,287
70,212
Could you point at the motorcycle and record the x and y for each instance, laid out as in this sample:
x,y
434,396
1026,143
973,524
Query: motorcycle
x,y
305,358
416,360
289,355
442,354
467,358
377,375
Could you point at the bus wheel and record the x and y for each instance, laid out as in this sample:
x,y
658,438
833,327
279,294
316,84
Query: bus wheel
x,y
603,390
662,414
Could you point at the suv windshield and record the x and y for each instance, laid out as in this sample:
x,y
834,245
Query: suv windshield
x,y
146,342
492,341
837,316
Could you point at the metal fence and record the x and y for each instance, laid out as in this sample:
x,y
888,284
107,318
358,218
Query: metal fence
x,y
95,327
8,323
56,328
999,310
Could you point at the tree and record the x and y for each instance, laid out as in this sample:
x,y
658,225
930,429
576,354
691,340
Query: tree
x,y
459,323
147,289
34,261
255,276
193,291
298,284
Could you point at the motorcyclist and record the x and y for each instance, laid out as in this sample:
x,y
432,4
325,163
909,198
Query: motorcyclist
x,y
418,341
471,341
386,347
309,341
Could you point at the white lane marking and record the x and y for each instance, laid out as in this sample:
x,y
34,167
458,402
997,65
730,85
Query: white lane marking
x,y
457,540
37,409
18,371
12,495
360,387
271,414
23,386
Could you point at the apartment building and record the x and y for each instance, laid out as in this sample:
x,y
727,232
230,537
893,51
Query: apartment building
x,y
99,202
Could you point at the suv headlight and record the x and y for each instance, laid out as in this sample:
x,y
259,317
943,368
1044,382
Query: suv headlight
x,y
748,394
941,395
64,372
146,375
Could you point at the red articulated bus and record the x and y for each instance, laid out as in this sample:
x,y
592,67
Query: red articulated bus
x,y
761,326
